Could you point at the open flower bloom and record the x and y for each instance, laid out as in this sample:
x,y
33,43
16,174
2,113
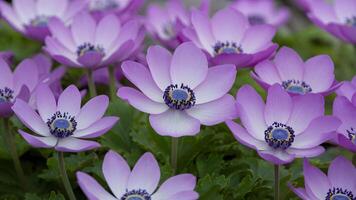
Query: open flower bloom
x,y
16,85
338,184
316,75
346,112
229,39
337,18
180,92
64,125
262,12
285,127
139,184
347,89
87,43
124,9
31,17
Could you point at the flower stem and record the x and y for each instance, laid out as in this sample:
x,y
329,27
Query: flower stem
x,y
112,85
64,176
91,83
174,154
11,144
354,159
276,182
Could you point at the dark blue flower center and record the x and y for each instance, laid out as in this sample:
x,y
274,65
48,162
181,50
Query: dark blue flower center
x,y
227,48
136,195
339,194
6,95
179,98
40,21
351,21
352,135
256,19
296,87
102,5
88,47
62,125
279,136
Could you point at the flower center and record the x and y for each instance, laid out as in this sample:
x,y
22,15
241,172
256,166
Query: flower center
x,y
351,21
227,48
179,98
296,87
40,21
136,195
62,125
352,135
88,47
339,194
6,95
256,19
279,135
101,5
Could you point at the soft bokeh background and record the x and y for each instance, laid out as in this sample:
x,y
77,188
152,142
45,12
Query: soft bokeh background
x,y
225,169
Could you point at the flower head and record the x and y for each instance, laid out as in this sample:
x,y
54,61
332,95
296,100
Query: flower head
x,y
229,39
316,75
31,17
16,85
63,124
338,184
336,17
179,91
139,184
285,127
87,43
262,12
346,112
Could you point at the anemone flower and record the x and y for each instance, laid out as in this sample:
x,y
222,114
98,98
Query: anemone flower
x,y
338,184
30,17
228,38
346,112
285,127
16,85
140,183
336,17
316,75
124,9
166,23
262,12
91,44
64,125
347,89
180,92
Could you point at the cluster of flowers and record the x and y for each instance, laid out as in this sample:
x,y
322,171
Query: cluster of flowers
x,y
184,89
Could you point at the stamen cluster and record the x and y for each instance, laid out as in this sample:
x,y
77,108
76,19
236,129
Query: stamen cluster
x,y
179,98
88,47
62,132
136,195
279,143
227,47
6,95
334,192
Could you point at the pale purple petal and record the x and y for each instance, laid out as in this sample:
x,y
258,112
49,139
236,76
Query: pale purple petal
x,y
276,156
10,16
278,105
62,33
83,28
257,38
315,180
289,64
201,24
25,9
98,128
71,144
185,195
174,185
116,172
70,101
140,101
300,192
46,103
26,73
92,111
6,77
145,175
306,153
174,123
107,31
91,188
189,65
345,9
340,174
52,7
267,72
39,142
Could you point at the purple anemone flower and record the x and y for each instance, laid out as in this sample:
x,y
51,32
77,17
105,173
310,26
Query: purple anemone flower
x,y
87,43
338,184
16,85
262,12
63,124
316,75
228,38
347,89
140,183
31,17
336,17
179,91
286,127
124,9
346,112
